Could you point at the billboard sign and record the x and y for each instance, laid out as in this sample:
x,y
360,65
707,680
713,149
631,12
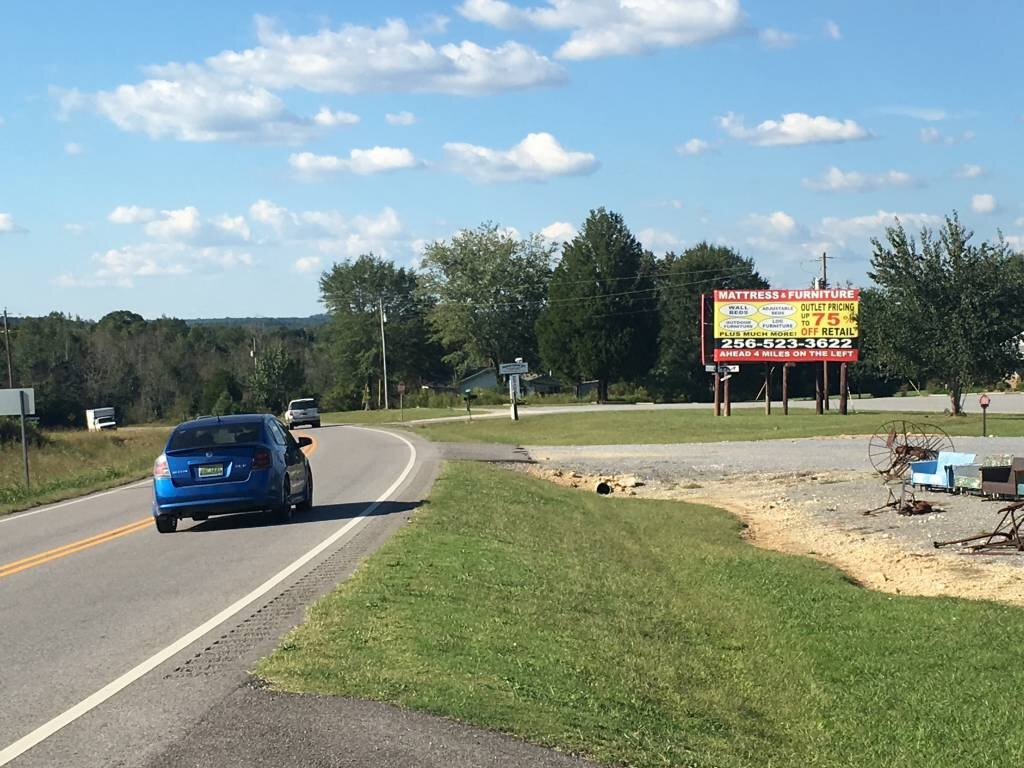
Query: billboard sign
x,y
787,326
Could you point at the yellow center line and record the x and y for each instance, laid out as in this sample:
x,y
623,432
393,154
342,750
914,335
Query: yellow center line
x,y
69,549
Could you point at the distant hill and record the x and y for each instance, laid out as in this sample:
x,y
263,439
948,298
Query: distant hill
x,y
263,322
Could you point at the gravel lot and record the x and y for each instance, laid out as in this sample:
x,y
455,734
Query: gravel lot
x,y
810,497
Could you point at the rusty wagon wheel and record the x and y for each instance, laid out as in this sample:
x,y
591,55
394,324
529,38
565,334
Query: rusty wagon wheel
x,y
899,442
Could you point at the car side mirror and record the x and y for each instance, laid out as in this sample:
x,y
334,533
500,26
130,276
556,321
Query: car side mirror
x,y
304,441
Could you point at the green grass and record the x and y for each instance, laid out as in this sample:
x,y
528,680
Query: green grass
x,y
649,633
75,463
691,426
392,415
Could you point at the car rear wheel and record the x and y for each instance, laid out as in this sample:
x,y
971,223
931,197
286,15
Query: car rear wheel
x,y
307,501
283,513
166,523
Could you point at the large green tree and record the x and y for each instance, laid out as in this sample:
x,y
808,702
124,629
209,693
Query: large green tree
x,y
947,309
487,288
601,319
682,280
354,293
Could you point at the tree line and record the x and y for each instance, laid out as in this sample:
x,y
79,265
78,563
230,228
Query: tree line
x,y
600,309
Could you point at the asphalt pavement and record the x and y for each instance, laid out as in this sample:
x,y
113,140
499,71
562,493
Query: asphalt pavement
x,y
116,640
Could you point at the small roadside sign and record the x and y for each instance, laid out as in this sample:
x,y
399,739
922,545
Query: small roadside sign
x,y
10,402
722,368
401,387
984,401
511,369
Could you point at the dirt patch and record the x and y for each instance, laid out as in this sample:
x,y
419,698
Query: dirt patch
x,y
776,520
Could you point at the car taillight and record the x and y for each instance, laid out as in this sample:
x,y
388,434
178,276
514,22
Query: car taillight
x,y
261,460
160,468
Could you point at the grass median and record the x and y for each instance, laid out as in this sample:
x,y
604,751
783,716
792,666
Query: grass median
x,y
693,426
71,464
649,633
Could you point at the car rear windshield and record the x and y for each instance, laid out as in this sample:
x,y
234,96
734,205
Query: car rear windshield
x,y
211,435
302,405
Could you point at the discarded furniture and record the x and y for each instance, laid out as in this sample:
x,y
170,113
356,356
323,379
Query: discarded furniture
x,y
967,479
937,473
1001,474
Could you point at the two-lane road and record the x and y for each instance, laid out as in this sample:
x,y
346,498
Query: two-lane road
x,y
114,637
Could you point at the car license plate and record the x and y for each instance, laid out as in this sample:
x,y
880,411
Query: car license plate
x,y
212,470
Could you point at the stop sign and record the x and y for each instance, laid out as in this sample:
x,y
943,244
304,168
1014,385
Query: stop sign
x,y
984,400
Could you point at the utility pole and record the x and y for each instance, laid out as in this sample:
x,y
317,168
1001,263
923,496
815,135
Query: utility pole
x,y
252,352
383,353
7,346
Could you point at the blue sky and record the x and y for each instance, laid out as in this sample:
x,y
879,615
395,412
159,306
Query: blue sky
x,y
211,159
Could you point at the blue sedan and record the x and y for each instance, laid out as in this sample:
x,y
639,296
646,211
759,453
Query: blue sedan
x,y
218,465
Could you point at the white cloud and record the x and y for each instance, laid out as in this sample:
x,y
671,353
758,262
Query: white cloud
x,y
1019,222
616,27
779,223
1016,242
927,114
331,232
362,162
400,118
858,230
676,204
794,128
984,203
970,171
930,135
693,147
187,225
837,180
328,119
177,224
832,30
658,240
559,231
537,157
131,214
73,148
232,96
75,229
354,59
7,225
776,38
119,267
195,106
307,264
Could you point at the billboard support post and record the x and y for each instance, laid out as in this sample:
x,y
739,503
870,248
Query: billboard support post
x,y
785,389
844,390
767,390
728,402
718,393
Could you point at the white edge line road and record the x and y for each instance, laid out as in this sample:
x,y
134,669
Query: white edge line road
x,y
90,497
46,730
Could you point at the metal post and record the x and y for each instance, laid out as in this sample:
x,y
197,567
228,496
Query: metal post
x,y
767,390
7,346
824,384
984,421
513,386
818,407
728,402
785,389
844,390
718,394
384,353
24,441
